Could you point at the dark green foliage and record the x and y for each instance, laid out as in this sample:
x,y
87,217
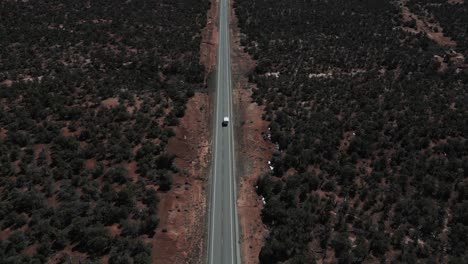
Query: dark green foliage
x,y
85,90
126,249
17,241
118,175
96,240
374,132
165,181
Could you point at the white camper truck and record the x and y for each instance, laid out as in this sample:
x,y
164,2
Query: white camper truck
x,y
225,121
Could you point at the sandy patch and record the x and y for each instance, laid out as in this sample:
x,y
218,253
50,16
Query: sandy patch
x,y
110,102
7,83
442,65
132,170
114,230
3,133
66,132
4,234
90,164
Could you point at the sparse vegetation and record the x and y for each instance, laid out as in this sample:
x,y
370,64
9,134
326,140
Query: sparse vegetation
x,y
453,18
372,152
89,92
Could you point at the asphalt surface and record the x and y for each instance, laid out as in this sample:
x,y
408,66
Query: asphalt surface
x,y
223,238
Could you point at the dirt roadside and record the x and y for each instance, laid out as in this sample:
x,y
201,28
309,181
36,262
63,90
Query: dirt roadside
x,y
180,236
252,151
209,42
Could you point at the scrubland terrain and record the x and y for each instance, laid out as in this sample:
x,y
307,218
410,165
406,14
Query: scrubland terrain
x,y
94,161
366,102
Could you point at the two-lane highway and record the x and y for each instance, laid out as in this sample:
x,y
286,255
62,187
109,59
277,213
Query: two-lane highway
x,y
223,238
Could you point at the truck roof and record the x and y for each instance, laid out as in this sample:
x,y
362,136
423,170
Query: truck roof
x,y
226,118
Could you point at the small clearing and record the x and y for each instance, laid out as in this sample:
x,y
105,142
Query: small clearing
x,y
3,133
7,83
433,30
442,65
110,102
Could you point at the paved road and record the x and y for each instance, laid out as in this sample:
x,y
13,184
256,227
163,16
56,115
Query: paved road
x,y
223,245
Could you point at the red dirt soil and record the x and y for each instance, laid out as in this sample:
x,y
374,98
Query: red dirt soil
x,y
434,32
180,235
423,25
7,83
254,155
3,133
32,249
90,164
132,168
75,257
5,233
110,102
209,41
253,152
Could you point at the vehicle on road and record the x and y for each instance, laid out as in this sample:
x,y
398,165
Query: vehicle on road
x,y
225,121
